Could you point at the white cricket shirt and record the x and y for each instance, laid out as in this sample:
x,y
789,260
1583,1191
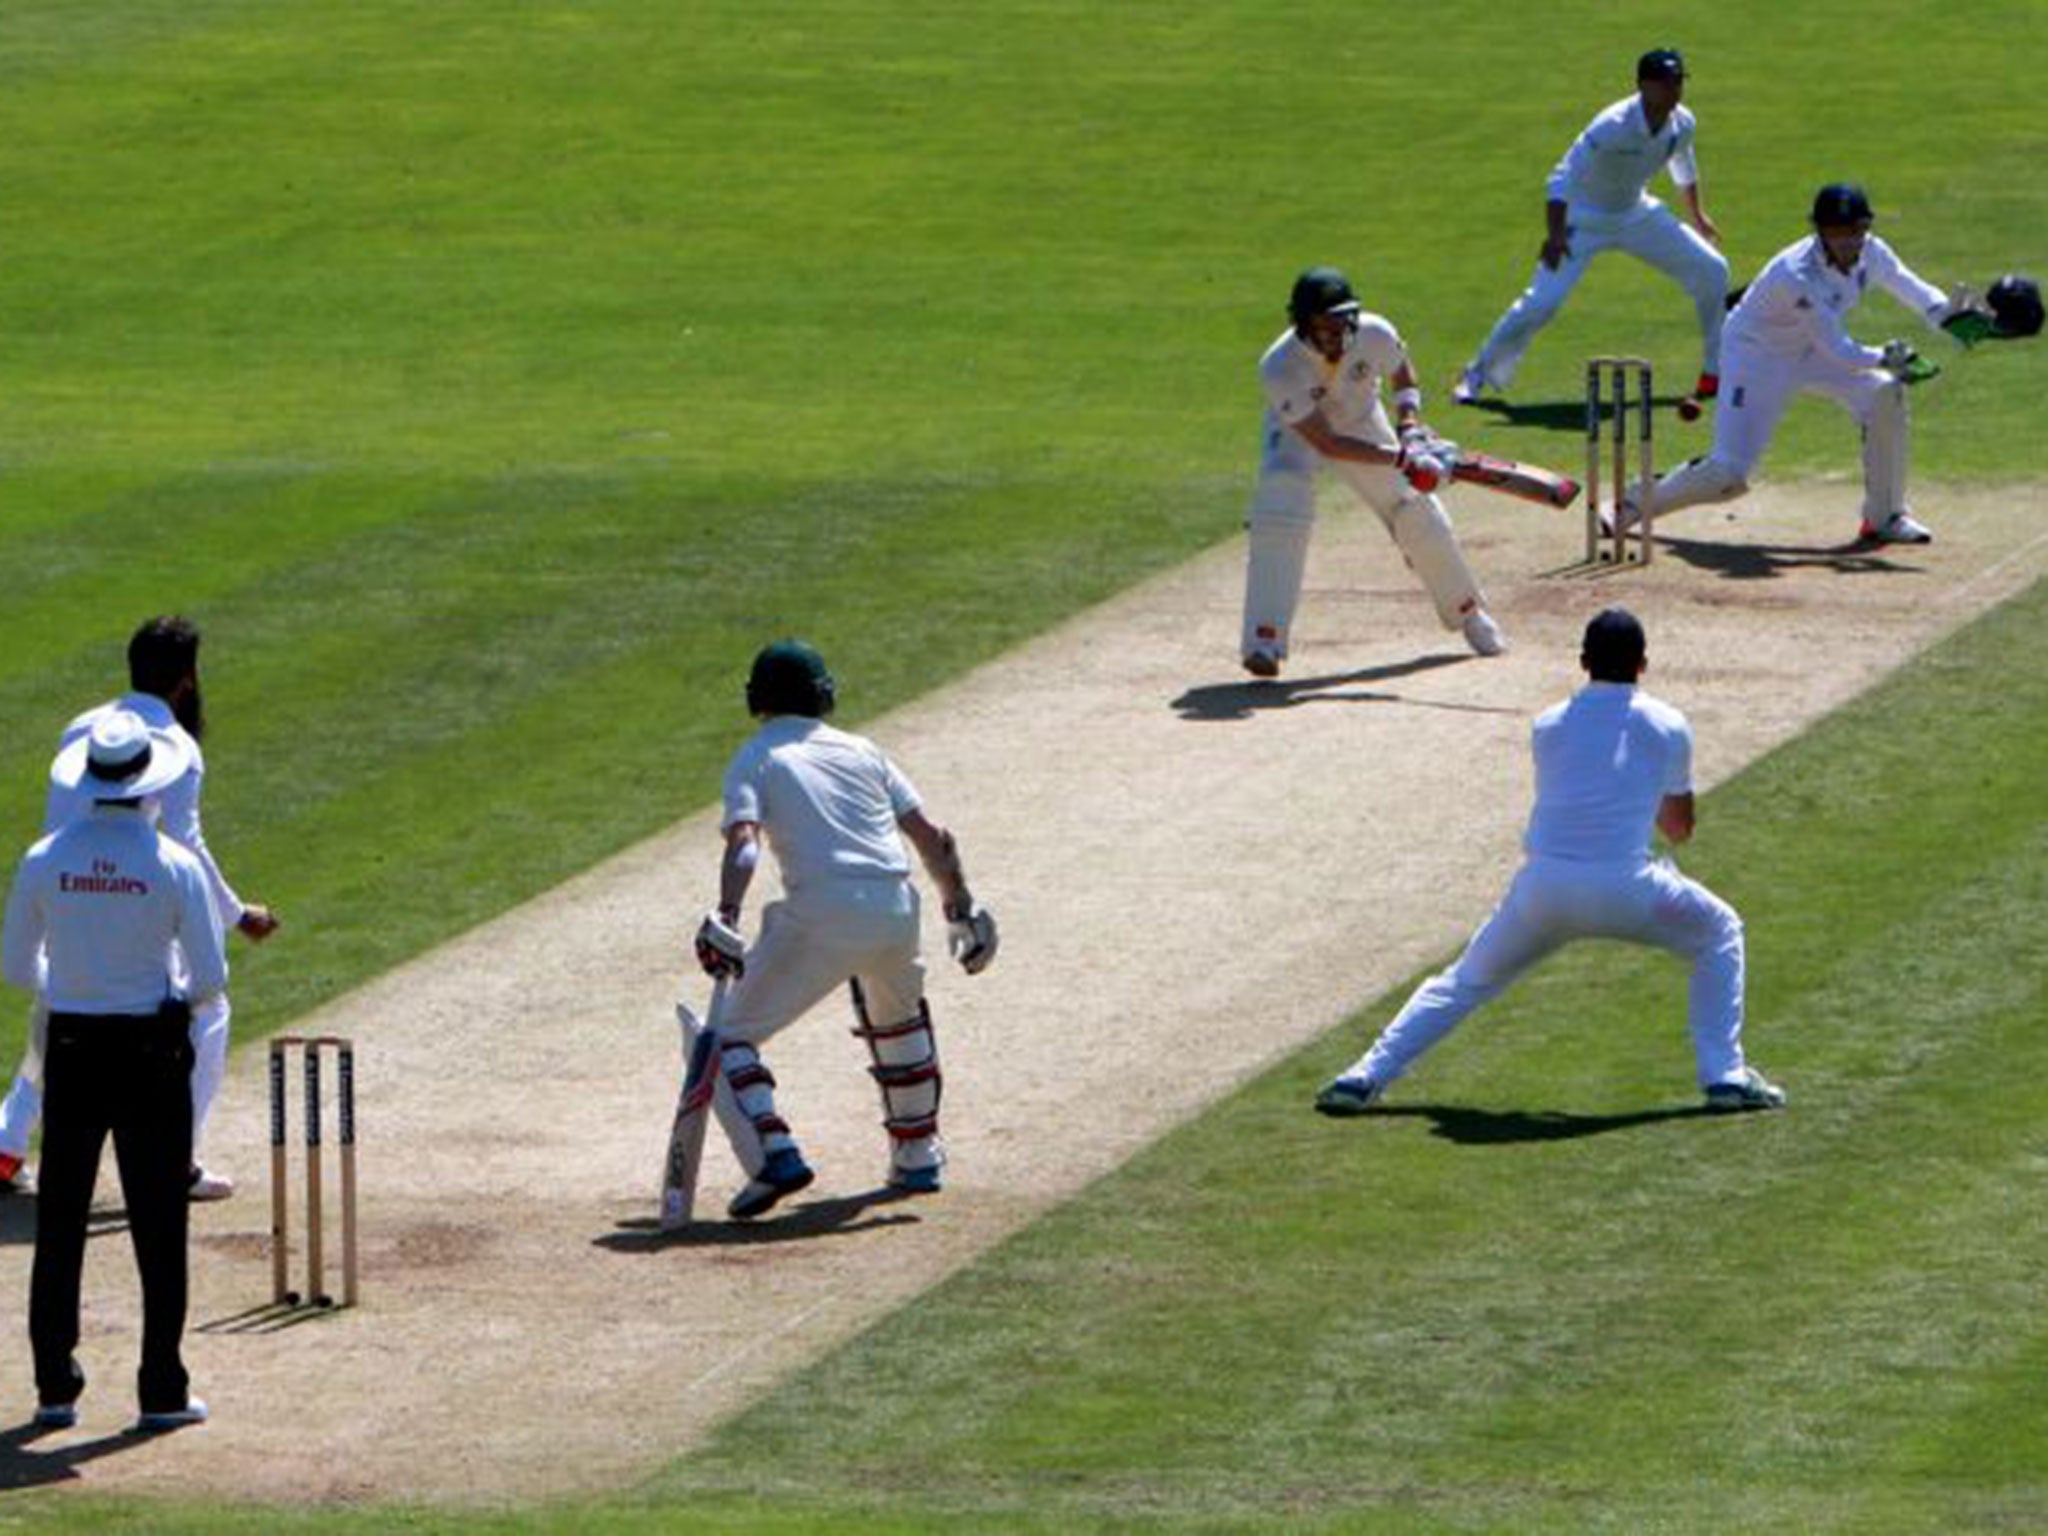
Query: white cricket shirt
x,y
1612,161
827,799
1799,303
1605,759
101,901
1297,380
179,801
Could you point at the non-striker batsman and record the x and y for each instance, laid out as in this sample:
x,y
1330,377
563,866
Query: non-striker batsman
x,y
836,811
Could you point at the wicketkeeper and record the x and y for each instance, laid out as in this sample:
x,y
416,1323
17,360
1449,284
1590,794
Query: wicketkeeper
x,y
1787,337
836,811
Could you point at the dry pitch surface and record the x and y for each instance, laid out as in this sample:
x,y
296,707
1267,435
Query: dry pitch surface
x,y
1194,875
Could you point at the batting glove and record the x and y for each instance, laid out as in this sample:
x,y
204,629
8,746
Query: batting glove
x,y
720,949
971,936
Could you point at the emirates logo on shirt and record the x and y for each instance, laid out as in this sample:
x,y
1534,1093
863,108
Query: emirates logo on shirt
x,y
105,879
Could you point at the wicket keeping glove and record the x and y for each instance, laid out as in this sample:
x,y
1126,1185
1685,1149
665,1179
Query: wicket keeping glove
x,y
1906,365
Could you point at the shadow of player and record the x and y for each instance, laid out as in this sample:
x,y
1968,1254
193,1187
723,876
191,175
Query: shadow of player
x,y
835,1216
1766,562
1496,1127
26,1463
1549,415
1240,701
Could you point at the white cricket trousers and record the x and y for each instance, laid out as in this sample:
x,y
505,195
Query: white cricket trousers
x,y
1283,515
1554,901
815,942
1758,387
1653,234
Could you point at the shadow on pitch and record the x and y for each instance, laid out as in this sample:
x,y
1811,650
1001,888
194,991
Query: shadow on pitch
x,y
1766,562
270,1317
1495,1127
1240,701
18,1221
25,1462
834,1217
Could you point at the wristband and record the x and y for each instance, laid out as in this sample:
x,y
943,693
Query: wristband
x,y
1409,399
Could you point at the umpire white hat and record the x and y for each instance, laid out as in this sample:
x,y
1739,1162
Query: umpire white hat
x,y
120,758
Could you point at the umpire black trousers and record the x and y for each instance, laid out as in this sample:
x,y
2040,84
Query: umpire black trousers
x,y
128,1076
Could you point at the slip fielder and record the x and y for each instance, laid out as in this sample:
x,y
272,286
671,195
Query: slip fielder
x,y
1595,202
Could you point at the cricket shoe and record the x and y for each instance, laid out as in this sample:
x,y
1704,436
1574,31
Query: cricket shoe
x,y
1899,528
1262,664
56,1416
1343,1097
917,1181
162,1421
1752,1090
202,1186
784,1173
15,1179
1469,387
1624,519
1483,635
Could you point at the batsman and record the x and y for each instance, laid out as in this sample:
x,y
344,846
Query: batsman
x,y
836,811
1321,380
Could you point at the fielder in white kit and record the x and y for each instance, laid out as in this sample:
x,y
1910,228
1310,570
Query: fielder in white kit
x,y
1321,380
1595,201
1787,337
1611,762
836,811
164,692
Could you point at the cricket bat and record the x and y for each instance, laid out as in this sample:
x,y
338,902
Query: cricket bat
x,y
1510,478
702,1049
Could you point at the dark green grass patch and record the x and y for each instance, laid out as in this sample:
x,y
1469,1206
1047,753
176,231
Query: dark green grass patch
x,y
1541,1292
491,383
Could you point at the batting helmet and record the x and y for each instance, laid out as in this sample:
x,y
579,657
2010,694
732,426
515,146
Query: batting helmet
x,y
1839,204
1320,291
2016,302
789,678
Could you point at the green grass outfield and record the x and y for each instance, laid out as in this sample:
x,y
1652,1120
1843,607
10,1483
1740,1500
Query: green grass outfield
x,y
491,381
1541,1293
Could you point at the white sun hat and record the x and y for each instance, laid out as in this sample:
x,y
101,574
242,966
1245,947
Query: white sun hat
x,y
121,758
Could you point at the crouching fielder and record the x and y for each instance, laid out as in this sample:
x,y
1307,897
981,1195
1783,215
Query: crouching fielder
x,y
1610,762
1786,337
836,811
1322,379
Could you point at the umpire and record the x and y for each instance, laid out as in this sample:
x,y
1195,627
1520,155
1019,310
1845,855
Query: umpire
x,y
100,904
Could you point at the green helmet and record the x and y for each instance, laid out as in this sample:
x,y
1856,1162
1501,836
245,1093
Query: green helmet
x,y
789,678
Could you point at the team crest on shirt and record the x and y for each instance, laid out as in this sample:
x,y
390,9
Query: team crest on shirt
x,y
1316,392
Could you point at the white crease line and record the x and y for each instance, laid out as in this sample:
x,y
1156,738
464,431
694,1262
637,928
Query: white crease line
x,y
1995,567
759,1343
